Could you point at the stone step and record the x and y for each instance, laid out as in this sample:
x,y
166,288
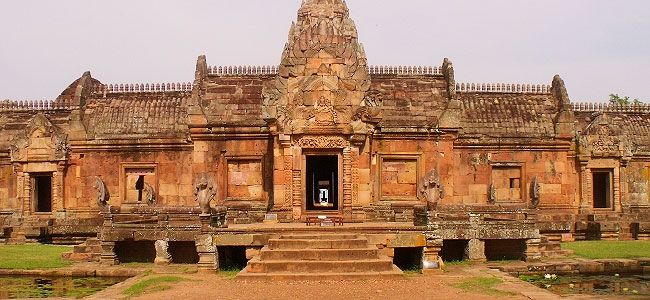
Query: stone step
x,y
350,266
87,249
341,236
93,242
319,254
358,243
394,274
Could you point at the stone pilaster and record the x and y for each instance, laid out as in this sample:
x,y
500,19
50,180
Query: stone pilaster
x,y
162,253
108,256
208,260
475,250
533,249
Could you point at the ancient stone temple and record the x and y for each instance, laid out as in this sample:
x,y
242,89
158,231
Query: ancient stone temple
x,y
405,159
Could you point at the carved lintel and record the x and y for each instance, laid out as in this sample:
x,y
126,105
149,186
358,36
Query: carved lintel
x,y
322,142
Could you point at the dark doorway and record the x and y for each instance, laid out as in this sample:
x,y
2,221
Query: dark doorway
x,y
408,259
505,249
232,258
454,250
43,192
183,252
322,183
602,189
135,251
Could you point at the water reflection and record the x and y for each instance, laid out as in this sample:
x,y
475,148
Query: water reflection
x,y
44,287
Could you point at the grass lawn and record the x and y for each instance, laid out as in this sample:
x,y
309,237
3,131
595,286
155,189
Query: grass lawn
x,y
482,285
609,249
33,256
152,284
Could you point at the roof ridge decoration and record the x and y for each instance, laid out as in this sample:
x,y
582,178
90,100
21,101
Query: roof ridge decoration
x,y
34,105
503,88
143,88
610,107
373,70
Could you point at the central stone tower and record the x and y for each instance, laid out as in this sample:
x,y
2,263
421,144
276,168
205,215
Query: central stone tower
x,y
323,77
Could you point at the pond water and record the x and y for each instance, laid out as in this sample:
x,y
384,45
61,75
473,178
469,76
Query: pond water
x,y
47,287
593,285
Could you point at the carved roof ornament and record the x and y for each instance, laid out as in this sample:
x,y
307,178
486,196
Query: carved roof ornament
x,y
323,62
40,141
603,137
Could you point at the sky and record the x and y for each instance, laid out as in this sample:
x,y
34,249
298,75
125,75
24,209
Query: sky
x,y
598,47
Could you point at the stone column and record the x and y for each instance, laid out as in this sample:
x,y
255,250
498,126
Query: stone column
x,y
162,253
475,250
533,251
208,260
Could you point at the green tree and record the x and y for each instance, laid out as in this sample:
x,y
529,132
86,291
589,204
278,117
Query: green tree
x,y
616,99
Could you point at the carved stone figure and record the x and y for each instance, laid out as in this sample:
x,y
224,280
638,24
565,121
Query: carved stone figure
x,y
150,194
102,192
432,190
492,194
204,193
534,192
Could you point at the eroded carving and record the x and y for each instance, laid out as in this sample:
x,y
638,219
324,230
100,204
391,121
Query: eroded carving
x,y
204,193
150,195
102,192
534,192
431,189
492,194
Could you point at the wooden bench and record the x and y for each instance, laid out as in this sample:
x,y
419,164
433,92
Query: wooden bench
x,y
319,220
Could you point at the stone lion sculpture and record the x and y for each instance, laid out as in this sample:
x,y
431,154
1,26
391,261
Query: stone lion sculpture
x,y
204,193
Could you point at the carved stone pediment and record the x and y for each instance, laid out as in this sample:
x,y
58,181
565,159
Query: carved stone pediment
x,y
604,138
40,141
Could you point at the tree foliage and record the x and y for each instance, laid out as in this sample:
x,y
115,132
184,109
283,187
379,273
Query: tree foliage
x,y
616,99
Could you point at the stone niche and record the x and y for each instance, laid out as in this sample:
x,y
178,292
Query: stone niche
x,y
507,182
399,177
245,179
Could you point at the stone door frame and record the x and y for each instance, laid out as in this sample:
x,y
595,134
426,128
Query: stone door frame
x,y
321,152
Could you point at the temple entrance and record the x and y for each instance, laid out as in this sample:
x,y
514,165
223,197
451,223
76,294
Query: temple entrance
x,y
602,188
322,182
42,184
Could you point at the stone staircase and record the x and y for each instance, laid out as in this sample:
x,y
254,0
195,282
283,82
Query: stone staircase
x,y
320,257
89,251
